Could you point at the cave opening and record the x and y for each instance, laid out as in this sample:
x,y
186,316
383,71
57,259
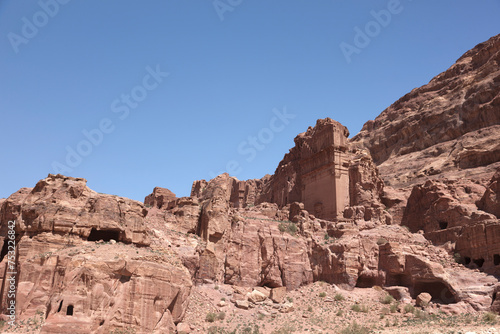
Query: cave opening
x,y
69,310
496,259
124,278
104,235
443,224
467,260
270,284
438,290
479,262
366,281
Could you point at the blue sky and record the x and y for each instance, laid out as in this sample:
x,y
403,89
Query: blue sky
x,y
162,93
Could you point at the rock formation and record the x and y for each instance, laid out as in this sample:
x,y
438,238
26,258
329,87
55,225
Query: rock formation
x,y
82,262
450,127
95,263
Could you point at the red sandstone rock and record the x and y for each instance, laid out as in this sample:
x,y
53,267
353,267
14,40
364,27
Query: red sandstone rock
x,y
159,198
78,283
450,124
490,202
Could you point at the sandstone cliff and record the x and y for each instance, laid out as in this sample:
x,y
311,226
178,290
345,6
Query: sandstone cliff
x,y
82,263
450,127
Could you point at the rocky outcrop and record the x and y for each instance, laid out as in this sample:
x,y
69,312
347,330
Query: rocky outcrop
x,y
65,205
450,124
490,202
160,197
239,193
444,206
447,214
320,171
314,172
83,264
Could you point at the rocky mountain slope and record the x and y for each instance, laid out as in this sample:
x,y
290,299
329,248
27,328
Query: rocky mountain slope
x,y
449,127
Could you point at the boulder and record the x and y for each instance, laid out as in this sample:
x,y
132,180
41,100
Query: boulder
x,y
423,299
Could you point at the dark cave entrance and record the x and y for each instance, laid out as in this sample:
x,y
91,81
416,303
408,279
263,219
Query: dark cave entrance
x,y
438,290
270,284
443,225
366,281
479,262
496,259
69,310
104,235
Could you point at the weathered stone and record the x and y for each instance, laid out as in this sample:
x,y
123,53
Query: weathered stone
x,y
398,292
159,198
183,328
243,304
278,295
287,308
447,127
490,202
256,296
423,299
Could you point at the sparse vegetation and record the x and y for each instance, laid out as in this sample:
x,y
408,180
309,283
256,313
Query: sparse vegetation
x,y
288,226
394,307
338,297
409,308
322,294
387,299
211,317
490,317
354,328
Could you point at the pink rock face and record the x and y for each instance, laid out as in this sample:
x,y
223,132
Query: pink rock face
x,y
78,283
65,205
314,172
160,197
319,171
490,202
450,124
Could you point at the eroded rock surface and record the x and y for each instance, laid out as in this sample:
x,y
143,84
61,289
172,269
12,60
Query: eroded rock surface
x,y
83,263
450,124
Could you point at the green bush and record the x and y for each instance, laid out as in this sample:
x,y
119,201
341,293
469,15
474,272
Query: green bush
x,y
388,299
409,308
354,328
394,307
322,294
288,226
490,317
211,317
338,297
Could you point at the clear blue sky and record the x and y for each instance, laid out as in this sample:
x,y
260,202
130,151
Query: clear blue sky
x,y
87,65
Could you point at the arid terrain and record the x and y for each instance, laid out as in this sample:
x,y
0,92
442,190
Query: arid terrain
x,y
396,230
